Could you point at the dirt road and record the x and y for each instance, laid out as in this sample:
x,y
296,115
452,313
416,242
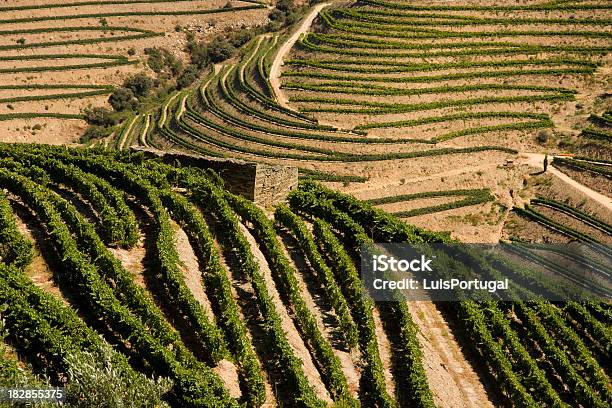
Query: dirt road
x,y
537,159
284,50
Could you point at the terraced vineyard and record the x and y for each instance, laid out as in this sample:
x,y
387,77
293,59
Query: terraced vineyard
x,y
464,198
62,56
390,65
233,114
193,284
597,135
382,92
594,173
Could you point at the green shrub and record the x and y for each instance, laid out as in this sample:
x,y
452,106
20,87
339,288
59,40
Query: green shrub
x,y
162,60
95,382
187,77
220,50
94,132
100,116
199,53
122,99
543,136
139,84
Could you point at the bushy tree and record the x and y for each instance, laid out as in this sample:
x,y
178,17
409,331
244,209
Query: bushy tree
x,y
220,50
283,14
97,381
286,6
240,37
543,136
162,60
122,99
155,60
94,132
187,77
139,84
199,54
100,116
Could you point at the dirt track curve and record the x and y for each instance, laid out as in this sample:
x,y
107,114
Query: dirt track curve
x,y
537,159
275,71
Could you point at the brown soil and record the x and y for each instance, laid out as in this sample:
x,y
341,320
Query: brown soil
x,y
452,380
296,342
191,270
552,187
480,223
524,229
592,180
325,317
38,270
571,222
132,260
228,372
384,350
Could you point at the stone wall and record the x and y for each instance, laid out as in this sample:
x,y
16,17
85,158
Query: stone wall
x,y
264,184
273,183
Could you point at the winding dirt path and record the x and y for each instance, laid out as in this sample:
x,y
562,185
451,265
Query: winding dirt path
x,y
537,159
143,134
164,114
275,70
182,107
126,134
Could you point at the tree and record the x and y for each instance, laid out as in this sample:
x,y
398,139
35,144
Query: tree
x,y
241,37
139,84
187,77
94,132
220,50
287,6
100,116
160,59
155,60
284,13
199,54
543,136
123,98
276,15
